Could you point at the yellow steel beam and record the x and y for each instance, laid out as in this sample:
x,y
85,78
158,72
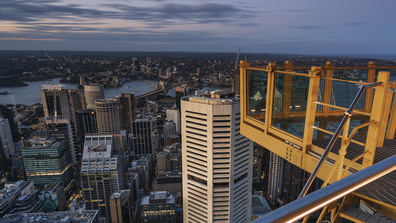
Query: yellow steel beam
x,y
331,133
287,82
270,95
368,102
376,115
342,108
390,132
385,116
347,81
314,81
327,87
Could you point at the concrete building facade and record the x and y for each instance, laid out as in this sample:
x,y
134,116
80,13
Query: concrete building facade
x,y
107,116
92,93
217,161
6,137
101,173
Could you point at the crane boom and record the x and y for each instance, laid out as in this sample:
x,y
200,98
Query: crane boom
x,y
236,62
16,113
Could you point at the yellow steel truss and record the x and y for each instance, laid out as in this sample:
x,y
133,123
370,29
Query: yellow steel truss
x,y
301,151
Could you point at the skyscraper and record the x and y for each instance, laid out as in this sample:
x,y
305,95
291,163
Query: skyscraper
x,y
217,160
61,99
141,137
169,129
174,115
121,207
92,93
180,92
6,137
127,111
101,173
74,104
47,160
107,116
86,122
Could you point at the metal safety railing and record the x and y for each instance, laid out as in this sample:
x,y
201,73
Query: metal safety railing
x,y
314,201
347,116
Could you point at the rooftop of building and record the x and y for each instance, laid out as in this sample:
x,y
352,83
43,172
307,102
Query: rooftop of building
x,y
158,197
121,194
42,142
10,188
64,216
223,96
174,136
106,100
260,206
51,187
98,145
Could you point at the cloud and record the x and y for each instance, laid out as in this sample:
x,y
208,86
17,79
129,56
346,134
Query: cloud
x,y
307,27
36,10
354,24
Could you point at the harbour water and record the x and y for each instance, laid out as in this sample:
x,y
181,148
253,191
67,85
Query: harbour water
x,y
31,94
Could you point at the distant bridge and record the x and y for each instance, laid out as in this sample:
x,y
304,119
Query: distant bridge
x,y
160,91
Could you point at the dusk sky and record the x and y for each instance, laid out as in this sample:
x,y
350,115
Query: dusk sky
x,y
276,26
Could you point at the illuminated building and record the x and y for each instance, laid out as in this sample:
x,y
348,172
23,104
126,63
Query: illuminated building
x,y
158,207
217,160
48,160
101,173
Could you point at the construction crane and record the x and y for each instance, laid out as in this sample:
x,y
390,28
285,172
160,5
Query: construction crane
x,y
16,113
236,62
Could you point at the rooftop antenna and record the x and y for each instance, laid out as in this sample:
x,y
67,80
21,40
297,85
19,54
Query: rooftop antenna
x,y
236,62
245,55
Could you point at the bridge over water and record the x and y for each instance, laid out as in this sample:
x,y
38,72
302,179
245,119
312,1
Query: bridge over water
x,y
162,91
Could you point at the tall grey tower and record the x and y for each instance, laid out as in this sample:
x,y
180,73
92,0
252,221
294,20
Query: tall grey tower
x,y
107,116
217,160
92,93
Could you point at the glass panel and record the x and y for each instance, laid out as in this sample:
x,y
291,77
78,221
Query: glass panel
x,y
257,95
342,93
298,95
320,94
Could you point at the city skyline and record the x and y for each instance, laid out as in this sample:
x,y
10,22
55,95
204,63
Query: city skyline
x,y
304,27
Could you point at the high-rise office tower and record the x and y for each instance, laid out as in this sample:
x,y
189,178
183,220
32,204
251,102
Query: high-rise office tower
x,y
74,104
217,160
141,137
7,114
121,207
107,116
169,129
180,92
127,111
92,93
101,173
2,156
62,123
174,115
6,137
47,160
61,100
86,122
